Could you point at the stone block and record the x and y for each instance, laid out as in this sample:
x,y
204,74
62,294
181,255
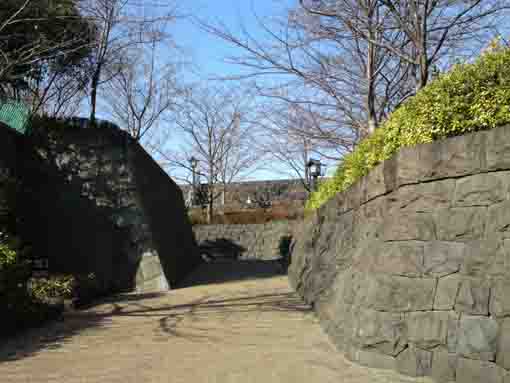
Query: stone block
x,y
461,224
397,294
424,197
498,221
481,189
444,365
500,298
485,258
452,157
498,148
371,359
443,258
384,332
373,184
414,362
473,297
353,195
477,371
397,258
453,331
447,291
149,268
477,337
428,329
503,351
409,227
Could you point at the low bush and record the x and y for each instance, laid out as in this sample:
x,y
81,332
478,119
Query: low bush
x,y
249,216
470,97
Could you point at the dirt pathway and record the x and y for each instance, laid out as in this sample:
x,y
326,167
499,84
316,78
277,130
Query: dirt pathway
x,y
248,330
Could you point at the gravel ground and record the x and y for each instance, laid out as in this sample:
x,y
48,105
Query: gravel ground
x,y
237,326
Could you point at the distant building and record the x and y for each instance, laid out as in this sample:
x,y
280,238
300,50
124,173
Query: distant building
x,y
257,193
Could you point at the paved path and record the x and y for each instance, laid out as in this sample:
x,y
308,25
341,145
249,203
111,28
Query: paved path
x,y
247,330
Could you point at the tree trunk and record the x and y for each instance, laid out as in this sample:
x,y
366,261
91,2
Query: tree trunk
x,y
210,213
93,94
370,70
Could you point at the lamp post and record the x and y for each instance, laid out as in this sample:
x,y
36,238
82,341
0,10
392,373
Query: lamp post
x,y
315,171
193,163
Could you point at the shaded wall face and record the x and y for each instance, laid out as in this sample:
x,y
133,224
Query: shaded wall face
x,y
408,269
8,177
163,205
87,206
251,242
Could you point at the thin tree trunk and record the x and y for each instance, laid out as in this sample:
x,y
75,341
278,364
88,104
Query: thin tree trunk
x,y
93,94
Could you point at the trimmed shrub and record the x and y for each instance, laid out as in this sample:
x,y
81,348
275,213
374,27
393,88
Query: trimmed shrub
x,y
468,98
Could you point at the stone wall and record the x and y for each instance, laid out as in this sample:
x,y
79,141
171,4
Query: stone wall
x,y
254,242
409,269
94,201
8,172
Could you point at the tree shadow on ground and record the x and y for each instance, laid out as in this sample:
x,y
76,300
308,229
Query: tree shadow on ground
x,y
203,319
52,336
190,320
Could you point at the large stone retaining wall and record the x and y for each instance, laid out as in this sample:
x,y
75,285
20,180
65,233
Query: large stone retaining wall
x,y
94,201
409,269
254,241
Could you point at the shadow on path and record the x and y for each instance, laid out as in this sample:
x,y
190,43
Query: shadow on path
x,y
195,314
227,270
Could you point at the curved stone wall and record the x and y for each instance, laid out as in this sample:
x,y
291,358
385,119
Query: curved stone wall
x,y
92,200
409,269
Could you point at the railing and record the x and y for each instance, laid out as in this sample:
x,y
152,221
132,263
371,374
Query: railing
x,y
15,115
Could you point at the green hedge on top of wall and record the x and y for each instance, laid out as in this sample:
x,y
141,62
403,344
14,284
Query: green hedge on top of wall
x,y
468,98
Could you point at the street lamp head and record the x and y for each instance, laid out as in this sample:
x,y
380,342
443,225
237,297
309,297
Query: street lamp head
x,y
193,162
315,167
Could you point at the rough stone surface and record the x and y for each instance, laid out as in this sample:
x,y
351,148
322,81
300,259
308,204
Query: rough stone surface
x,y
476,371
385,332
477,337
498,149
447,292
486,258
473,297
91,206
425,197
251,241
460,224
444,365
434,248
414,362
481,189
398,294
503,351
408,227
500,298
443,258
428,329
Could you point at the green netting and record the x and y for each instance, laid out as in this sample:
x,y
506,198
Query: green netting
x,y
15,115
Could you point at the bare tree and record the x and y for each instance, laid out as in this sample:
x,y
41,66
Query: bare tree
x,y
120,25
320,64
218,131
353,61
36,41
285,140
142,91
432,28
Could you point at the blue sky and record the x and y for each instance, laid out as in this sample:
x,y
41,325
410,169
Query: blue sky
x,y
208,52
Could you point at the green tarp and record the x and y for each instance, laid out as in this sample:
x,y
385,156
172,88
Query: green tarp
x,y
15,115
